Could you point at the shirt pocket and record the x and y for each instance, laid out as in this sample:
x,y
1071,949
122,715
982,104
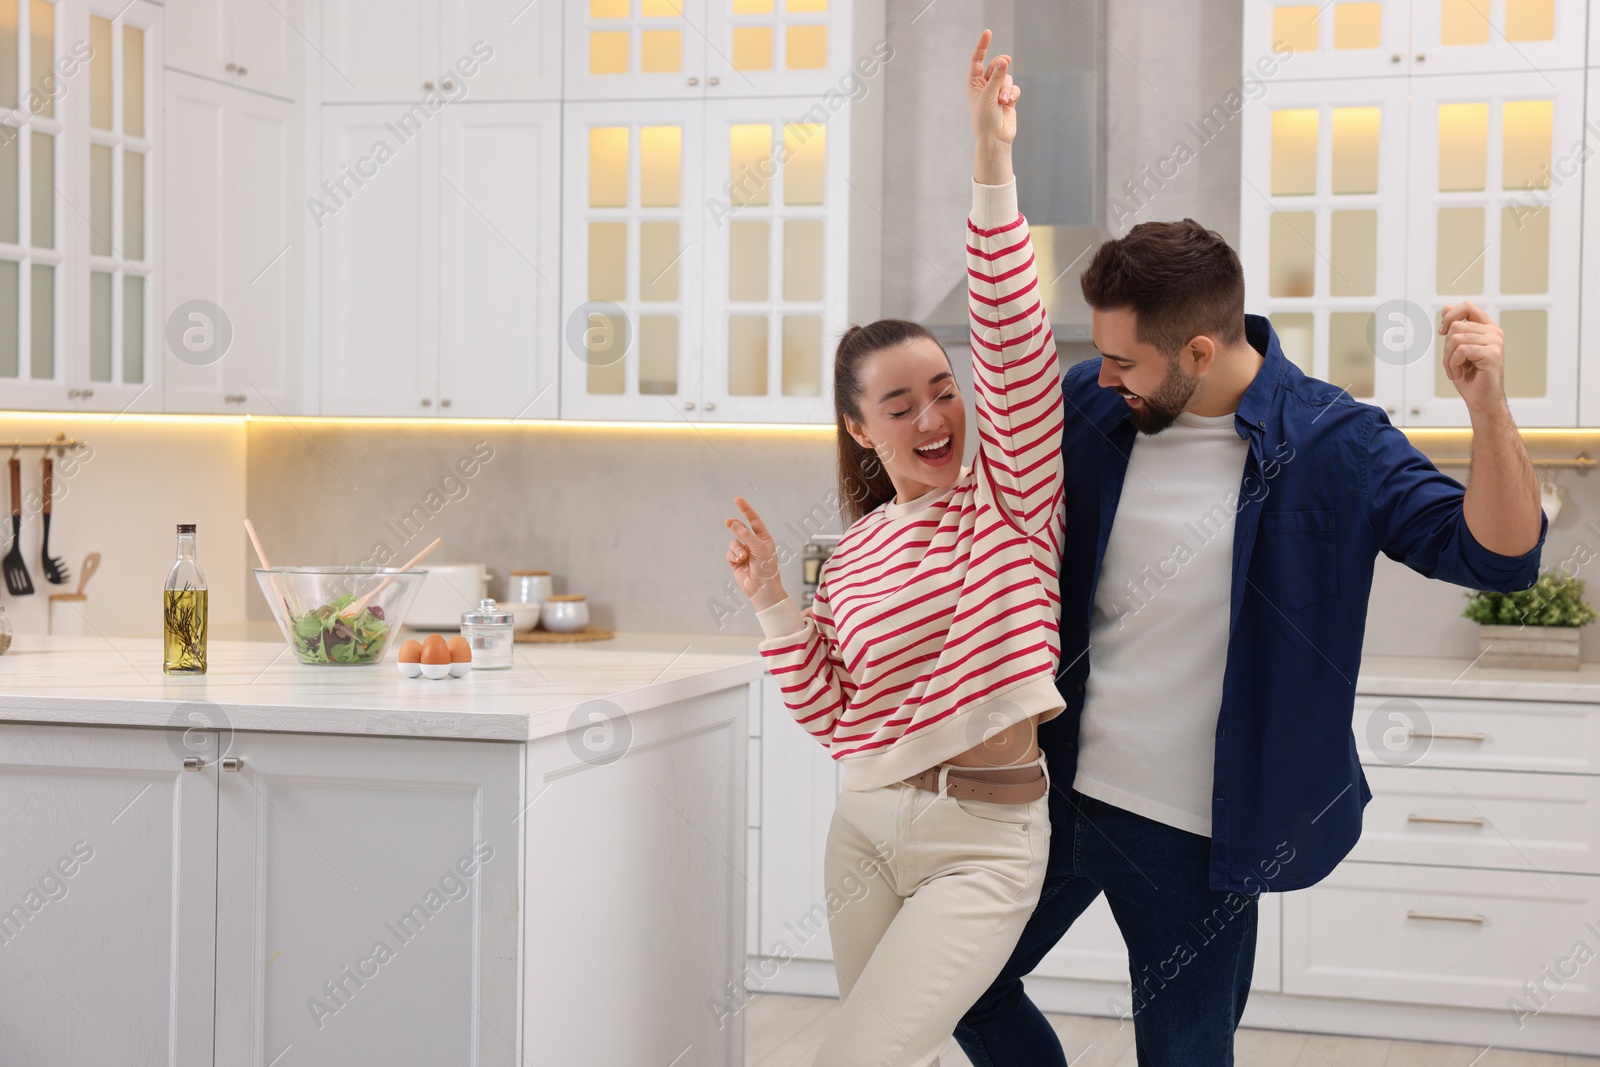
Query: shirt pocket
x,y
1295,562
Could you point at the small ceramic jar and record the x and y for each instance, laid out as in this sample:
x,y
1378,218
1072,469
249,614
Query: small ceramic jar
x,y
530,587
565,614
488,632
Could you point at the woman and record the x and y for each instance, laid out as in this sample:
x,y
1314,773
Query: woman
x,y
929,656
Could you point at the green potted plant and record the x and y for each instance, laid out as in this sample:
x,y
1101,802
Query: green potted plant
x,y
1537,627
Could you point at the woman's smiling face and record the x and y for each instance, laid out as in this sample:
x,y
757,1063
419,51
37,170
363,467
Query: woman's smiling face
x,y
912,415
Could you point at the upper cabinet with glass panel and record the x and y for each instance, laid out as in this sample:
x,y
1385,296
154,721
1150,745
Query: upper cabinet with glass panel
x,y
650,49
1293,40
1364,38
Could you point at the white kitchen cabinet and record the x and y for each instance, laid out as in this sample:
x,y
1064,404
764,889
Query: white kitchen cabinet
x,y
79,278
231,219
1455,172
714,49
800,785
252,44
107,898
709,249
1569,173
1496,36
348,926
1321,40
1486,222
379,250
1391,932
401,51
633,258
439,268
1369,38
1322,205
499,244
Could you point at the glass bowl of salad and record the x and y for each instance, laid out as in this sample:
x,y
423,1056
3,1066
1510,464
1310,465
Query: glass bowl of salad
x,y
309,604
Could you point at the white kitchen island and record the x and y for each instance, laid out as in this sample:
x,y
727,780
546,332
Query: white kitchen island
x,y
279,865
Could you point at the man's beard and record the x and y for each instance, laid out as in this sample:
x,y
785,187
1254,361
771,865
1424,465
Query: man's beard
x,y
1161,408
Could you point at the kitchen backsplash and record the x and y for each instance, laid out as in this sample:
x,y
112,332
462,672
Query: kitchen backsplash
x,y
630,516
122,495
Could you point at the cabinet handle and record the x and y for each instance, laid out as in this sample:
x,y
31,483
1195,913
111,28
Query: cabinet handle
x,y
445,402
244,70
1416,409
1429,917
232,68
1444,819
448,84
1391,409
694,81
1440,736
232,763
73,394
688,405
1396,58
234,398
88,393
428,86
193,763
713,80
711,405
1421,56
427,401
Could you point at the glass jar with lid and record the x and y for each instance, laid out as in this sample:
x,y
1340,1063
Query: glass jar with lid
x,y
488,632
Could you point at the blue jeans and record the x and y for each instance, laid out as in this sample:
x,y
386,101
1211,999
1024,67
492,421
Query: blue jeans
x,y
1190,949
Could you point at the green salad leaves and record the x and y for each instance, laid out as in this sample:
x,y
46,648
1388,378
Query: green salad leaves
x,y
321,636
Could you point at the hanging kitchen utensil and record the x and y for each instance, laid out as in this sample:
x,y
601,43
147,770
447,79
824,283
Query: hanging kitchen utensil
x,y
54,572
17,581
68,611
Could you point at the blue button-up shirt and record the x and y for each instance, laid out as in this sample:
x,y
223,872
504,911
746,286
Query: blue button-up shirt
x,y
1328,484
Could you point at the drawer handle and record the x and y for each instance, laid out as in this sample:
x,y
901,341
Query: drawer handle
x,y
1437,736
1445,819
1474,919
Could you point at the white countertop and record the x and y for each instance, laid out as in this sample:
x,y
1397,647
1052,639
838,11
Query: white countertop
x,y
1417,677
258,685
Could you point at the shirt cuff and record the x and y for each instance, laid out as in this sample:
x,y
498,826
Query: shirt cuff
x,y
783,619
994,206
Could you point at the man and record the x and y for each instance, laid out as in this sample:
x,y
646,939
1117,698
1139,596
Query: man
x,y
1224,512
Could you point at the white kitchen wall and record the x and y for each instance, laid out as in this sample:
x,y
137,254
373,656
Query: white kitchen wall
x,y
122,497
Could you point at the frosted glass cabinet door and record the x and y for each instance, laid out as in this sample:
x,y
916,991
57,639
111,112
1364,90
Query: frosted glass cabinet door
x,y
1301,39
632,261
1486,36
777,231
781,47
1321,213
1492,220
635,49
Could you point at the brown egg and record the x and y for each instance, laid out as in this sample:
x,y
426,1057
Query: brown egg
x,y
435,653
433,639
411,652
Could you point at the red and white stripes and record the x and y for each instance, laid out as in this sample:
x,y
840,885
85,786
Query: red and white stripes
x,y
924,620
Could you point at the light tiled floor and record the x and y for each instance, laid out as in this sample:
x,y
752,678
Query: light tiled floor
x,y
784,1031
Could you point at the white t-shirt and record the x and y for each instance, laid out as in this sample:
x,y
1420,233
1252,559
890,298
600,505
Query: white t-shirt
x,y
1158,641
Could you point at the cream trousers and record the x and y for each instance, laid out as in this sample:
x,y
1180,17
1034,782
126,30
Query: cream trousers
x,y
935,891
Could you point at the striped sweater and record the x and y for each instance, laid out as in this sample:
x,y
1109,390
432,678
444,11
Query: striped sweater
x,y
935,619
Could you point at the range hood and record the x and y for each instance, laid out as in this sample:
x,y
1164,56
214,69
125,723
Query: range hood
x,y
1058,159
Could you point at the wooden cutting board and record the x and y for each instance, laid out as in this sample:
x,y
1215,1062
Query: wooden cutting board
x,y
550,637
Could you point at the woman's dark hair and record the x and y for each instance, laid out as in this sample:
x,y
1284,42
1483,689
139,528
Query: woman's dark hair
x,y
863,481
1179,279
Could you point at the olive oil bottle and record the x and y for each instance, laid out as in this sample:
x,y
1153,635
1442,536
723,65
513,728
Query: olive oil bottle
x,y
184,610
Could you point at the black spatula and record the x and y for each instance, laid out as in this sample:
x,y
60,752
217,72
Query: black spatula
x,y
55,572
17,581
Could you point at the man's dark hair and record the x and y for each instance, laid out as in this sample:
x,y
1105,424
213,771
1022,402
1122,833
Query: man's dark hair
x,y
1178,278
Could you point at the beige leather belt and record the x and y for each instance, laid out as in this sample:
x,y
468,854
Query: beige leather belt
x,y
995,785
